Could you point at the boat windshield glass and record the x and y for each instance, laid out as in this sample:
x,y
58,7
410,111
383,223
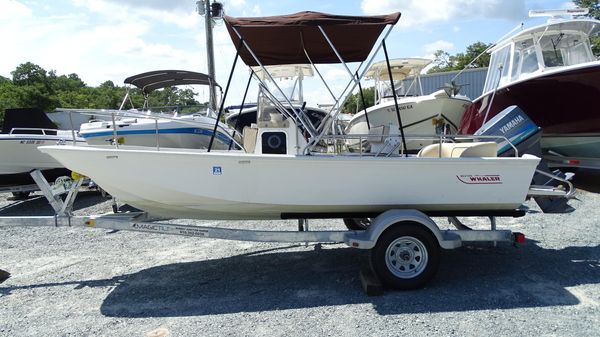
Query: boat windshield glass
x,y
384,90
525,59
565,49
289,86
498,72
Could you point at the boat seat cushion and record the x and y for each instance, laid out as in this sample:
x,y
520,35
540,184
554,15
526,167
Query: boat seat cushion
x,y
456,150
250,134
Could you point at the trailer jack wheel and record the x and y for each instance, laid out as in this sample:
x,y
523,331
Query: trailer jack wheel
x,y
406,256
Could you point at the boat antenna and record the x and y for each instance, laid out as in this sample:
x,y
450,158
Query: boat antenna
x,y
387,61
519,26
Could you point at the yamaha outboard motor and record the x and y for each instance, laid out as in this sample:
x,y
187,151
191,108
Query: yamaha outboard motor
x,y
513,124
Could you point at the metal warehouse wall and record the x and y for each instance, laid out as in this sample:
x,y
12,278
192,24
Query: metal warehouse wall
x,y
473,79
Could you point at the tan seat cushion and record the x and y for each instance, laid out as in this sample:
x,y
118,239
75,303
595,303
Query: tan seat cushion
x,y
456,150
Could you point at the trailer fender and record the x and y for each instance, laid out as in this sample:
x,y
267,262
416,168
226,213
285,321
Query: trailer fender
x,y
367,239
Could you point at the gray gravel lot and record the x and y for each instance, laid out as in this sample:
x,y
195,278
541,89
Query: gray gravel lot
x,y
83,282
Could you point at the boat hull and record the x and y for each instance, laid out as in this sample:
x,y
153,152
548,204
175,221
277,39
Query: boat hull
x,y
235,185
20,153
417,116
562,103
576,145
171,134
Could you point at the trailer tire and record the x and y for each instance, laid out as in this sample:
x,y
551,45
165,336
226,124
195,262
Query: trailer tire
x,y
406,256
357,224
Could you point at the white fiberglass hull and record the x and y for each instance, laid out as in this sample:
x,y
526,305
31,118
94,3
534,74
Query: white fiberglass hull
x,y
19,153
417,114
235,185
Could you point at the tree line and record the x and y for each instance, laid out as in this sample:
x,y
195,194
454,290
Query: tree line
x,y
31,86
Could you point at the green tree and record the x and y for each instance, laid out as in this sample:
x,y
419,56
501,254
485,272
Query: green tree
x,y
29,74
594,7
354,102
446,62
33,86
442,62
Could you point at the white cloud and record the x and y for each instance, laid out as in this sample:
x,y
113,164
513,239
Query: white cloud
x,y
423,12
256,10
234,3
568,5
168,12
431,48
12,10
160,5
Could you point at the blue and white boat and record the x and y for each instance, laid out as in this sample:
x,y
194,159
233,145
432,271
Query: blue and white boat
x,y
146,128
188,131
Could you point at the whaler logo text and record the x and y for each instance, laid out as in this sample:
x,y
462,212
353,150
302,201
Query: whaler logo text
x,y
480,179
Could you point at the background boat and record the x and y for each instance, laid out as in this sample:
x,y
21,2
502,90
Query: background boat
x,y
147,128
425,115
550,72
22,132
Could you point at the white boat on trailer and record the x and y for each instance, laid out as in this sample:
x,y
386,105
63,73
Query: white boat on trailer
x,y
237,185
279,175
147,128
23,131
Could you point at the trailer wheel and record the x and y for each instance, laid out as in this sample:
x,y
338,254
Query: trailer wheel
x,y
406,256
357,224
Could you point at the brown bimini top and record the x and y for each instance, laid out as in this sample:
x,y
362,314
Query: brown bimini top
x,y
282,39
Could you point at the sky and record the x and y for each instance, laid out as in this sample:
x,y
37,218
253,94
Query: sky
x,y
104,40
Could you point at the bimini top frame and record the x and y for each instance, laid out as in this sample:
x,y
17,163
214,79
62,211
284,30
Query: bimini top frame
x,y
158,79
309,37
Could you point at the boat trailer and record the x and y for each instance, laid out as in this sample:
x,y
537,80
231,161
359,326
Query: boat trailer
x,y
405,244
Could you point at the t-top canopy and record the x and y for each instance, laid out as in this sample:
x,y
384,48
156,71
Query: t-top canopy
x,y
401,68
286,70
283,39
158,79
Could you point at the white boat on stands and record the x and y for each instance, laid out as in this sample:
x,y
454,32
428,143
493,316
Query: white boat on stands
x,y
23,131
279,175
425,115
146,128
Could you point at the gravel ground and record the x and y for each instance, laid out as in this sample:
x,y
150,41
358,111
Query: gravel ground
x,y
83,282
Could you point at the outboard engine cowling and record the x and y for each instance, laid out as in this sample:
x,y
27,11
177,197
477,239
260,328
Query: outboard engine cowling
x,y
518,129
